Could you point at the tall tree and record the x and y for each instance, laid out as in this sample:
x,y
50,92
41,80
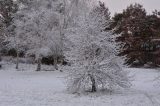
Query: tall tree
x,y
7,10
2,30
38,26
132,25
95,63
137,30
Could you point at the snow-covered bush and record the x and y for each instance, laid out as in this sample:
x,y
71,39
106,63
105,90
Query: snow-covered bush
x,y
93,54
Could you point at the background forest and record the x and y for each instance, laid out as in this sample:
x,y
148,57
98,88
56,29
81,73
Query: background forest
x,y
75,53
139,32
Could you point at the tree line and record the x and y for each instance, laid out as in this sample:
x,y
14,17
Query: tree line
x,y
78,30
139,32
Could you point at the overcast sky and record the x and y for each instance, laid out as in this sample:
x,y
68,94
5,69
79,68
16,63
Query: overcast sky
x,y
119,5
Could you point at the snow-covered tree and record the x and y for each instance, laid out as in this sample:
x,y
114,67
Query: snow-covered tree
x,y
2,26
2,30
7,9
38,26
93,55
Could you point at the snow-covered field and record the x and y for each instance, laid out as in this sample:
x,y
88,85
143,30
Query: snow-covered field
x,y
30,88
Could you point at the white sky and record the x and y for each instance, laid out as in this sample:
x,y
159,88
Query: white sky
x,y
119,5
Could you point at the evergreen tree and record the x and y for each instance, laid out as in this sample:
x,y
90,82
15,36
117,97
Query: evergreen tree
x,y
134,29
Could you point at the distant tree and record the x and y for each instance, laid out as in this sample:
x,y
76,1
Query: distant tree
x,y
93,54
135,31
153,45
2,31
7,10
38,26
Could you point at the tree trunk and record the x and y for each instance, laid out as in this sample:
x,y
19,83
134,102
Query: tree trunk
x,y
39,64
94,89
55,63
17,61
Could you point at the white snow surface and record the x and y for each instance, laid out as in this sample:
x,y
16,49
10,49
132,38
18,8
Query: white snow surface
x,y
30,88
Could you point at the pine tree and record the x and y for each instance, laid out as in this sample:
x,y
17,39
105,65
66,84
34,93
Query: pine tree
x,y
131,23
137,30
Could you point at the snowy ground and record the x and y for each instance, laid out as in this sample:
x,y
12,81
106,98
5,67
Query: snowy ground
x,y
30,88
